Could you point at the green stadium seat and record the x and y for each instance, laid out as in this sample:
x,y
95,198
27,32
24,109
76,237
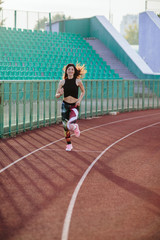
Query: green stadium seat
x,y
42,55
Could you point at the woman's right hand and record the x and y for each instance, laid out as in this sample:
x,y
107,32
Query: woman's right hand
x,y
61,91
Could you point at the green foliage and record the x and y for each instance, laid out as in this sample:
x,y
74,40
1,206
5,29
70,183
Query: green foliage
x,y
132,34
42,22
0,5
1,21
59,17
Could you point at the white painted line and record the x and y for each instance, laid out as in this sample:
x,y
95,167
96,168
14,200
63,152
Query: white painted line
x,y
27,155
73,150
118,121
105,124
67,221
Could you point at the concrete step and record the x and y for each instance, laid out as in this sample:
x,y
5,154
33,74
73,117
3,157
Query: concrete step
x,y
111,59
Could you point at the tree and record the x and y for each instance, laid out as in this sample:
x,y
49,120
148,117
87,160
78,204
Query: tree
x,y
1,21
59,17
42,22
132,34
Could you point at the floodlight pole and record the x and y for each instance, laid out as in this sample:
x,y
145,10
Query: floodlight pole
x,y
146,5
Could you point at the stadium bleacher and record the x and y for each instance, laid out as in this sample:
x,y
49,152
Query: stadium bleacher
x,y
27,54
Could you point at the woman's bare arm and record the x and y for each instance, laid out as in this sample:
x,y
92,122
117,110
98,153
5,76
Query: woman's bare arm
x,y
60,90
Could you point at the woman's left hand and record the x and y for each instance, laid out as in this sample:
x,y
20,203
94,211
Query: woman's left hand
x,y
78,103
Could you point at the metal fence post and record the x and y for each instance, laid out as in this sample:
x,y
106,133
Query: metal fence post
x,y
128,86
44,103
24,106
153,93
107,97
86,86
158,94
10,108
138,95
96,98
50,24
123,86
102,95
17,108
91,106
50,100
143,94
112,95
38,94
55,101
117,95
15,19
133,95
1,108
31,105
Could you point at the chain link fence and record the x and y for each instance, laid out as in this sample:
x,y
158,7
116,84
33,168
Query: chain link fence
x,y
26,19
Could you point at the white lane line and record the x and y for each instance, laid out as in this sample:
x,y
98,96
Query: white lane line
x,y
73,150
67,221
27,155
102,125
118,121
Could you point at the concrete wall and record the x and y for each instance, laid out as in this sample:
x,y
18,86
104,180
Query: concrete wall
x,y
54,27
149,39
77,26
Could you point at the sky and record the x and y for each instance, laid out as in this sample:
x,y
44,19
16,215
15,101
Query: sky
x,y
81,8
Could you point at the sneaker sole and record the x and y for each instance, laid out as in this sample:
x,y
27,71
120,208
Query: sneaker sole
x,y
68,150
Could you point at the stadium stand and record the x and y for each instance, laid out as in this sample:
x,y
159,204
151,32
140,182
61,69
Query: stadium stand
x,y
27,54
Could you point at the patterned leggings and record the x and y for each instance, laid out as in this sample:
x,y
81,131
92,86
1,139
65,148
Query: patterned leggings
x,y
69,116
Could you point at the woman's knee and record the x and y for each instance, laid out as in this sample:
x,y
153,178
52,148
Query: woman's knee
x,y
64,122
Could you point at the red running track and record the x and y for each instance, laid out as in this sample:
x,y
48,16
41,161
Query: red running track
x,y
107,188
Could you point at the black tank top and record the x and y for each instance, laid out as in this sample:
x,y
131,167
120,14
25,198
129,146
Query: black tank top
x,y
70,88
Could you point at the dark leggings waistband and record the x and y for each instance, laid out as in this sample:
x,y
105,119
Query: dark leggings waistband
x,y
69,103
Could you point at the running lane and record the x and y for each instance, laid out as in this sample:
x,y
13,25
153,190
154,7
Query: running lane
x,y
119,198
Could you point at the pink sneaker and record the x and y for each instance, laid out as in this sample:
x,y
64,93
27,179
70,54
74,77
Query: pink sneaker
x,y
77,131
69,147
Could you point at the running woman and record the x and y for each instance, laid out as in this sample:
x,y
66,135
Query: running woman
x,y
69,86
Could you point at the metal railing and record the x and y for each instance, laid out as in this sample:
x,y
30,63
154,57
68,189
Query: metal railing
x,y
31,104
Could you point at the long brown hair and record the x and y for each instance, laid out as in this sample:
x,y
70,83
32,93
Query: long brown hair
x,y
80,71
